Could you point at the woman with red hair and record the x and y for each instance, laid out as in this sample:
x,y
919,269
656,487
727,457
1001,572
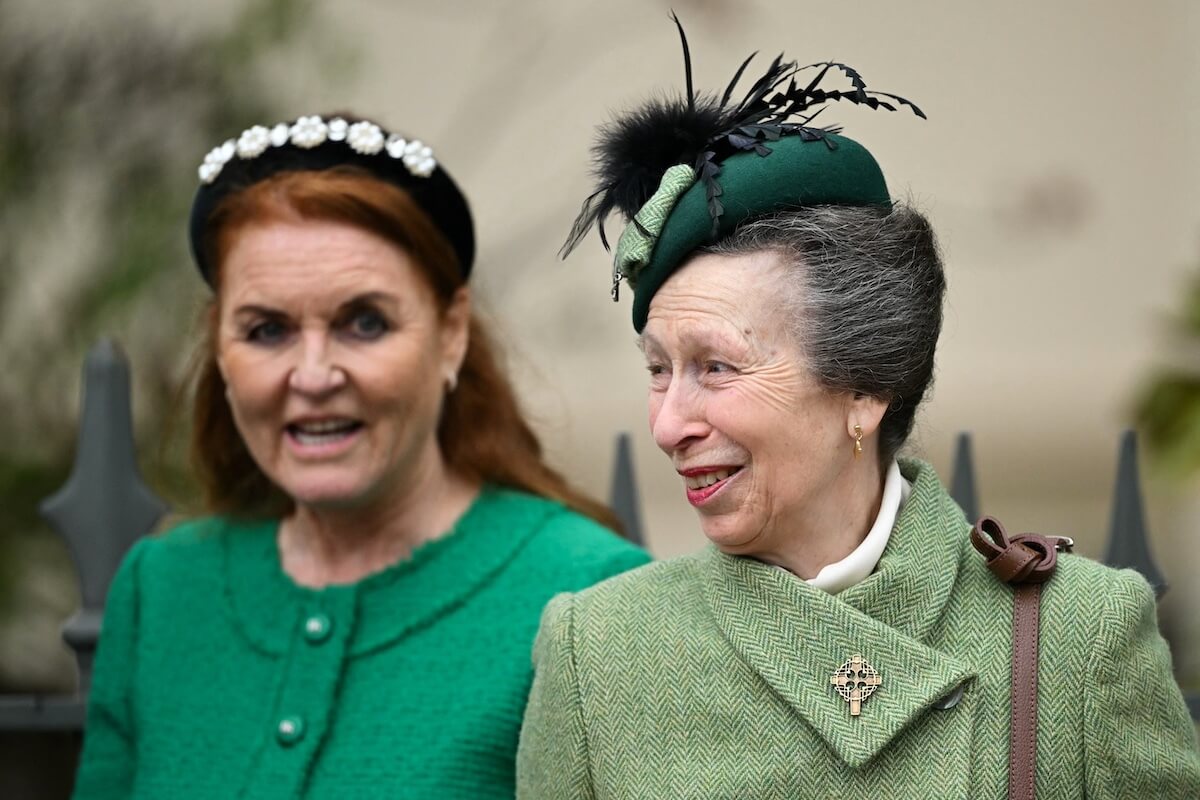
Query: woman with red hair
x,y
355,617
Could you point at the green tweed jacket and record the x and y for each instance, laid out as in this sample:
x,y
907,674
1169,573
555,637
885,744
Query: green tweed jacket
x,y
708,676
218,677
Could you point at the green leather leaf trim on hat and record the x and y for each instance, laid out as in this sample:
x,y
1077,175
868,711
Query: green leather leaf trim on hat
x,y
641,234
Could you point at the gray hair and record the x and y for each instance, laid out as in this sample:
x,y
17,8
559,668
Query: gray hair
x,y
865,300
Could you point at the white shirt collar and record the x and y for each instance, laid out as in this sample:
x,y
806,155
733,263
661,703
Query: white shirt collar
x,y
843,574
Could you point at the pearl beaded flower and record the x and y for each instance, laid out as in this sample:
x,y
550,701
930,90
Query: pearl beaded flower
x,y
363,137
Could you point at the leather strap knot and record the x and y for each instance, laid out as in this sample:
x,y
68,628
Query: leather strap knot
x,y
1026,561
1025,558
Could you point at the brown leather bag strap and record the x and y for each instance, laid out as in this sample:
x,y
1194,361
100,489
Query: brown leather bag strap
x,y
1022,740
1026,561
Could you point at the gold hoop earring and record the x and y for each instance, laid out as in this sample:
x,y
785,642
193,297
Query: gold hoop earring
x,y
857,441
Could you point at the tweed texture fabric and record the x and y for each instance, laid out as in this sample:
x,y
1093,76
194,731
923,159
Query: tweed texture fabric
x,y
640,235
708,676
218,677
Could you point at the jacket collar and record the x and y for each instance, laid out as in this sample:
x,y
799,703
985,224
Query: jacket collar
x,y
795,636
268,607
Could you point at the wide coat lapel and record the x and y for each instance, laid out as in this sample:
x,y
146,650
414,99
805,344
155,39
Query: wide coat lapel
x,y
795,636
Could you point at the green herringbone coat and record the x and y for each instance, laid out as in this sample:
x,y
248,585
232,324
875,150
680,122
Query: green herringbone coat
x,y
709,677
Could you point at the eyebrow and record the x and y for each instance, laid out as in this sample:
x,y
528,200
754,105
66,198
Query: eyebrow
x,y
256,310
366,298
708,340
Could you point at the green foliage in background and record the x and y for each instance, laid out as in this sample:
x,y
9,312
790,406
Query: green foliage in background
x,y
103,121
1169,408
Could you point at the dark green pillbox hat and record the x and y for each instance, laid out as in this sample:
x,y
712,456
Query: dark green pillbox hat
x,y
799,172
687,171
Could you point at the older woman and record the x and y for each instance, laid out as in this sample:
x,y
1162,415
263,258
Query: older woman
x,y
355,619
842,638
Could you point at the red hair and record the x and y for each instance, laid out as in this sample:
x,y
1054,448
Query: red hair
x,y
482,433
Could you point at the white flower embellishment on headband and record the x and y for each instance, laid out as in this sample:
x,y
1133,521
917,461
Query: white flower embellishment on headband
x,y
362,137
253,142
308,132
365,138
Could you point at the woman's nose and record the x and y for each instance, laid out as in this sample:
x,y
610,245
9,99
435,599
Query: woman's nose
x,y
677,417
315,371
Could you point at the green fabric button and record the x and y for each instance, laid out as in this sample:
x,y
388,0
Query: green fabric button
x,y
290,731
317,628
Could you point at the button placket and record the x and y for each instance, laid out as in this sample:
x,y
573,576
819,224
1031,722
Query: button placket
x,y
310,675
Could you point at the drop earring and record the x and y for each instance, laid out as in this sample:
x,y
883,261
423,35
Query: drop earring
x,y
857,440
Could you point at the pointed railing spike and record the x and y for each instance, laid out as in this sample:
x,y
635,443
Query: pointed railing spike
x,y
962,481
1128,545
104,507
624,494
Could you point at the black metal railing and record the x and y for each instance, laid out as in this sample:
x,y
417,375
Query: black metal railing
x,y
105,507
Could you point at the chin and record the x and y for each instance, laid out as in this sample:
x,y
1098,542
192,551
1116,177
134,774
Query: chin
x,y
332,494
727,535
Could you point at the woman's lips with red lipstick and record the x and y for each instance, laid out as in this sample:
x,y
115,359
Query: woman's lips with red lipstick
x,y
701,483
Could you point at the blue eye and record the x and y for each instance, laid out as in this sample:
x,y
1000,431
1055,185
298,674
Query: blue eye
x,y
717,368
368,325
268,331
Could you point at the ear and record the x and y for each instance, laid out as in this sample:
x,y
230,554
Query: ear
x,y
866,412
456,327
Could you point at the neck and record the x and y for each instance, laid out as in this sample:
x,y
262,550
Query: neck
x,y
834,524
320,546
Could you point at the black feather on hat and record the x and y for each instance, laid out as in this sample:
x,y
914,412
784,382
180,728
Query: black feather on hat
x,y
634,151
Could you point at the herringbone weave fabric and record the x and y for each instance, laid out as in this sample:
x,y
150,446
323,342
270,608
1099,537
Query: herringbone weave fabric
x,y
709,677
639,237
